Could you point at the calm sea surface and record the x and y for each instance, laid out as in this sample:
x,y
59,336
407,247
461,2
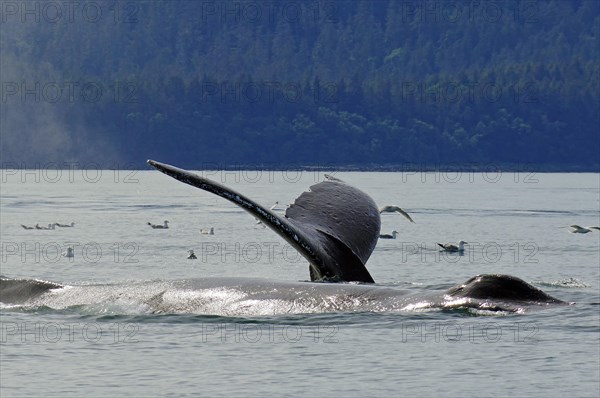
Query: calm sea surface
x,y
515,224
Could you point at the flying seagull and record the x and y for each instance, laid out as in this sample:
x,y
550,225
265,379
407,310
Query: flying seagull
x,y
395,209
275,206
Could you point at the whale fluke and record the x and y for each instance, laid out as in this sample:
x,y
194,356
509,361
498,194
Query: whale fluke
x,y
345,221
333,225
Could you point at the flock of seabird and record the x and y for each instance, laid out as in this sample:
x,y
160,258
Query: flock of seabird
x,y
452,248
69,252
448,247
49,227
165,225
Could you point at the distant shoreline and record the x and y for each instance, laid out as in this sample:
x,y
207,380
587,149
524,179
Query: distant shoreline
x,y
406,167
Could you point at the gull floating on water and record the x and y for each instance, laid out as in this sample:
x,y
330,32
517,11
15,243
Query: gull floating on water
x,y
69,253
158,226
576,229
453,248
50,226
191,255
386,236
64,225
395,209
210,231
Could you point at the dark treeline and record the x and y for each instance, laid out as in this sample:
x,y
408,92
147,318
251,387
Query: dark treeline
x,y
362,83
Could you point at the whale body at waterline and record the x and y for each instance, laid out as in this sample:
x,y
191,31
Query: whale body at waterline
x,y
259,297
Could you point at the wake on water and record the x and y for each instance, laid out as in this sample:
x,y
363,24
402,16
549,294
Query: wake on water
x,y
247,297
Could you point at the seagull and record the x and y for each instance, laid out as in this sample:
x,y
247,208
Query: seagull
x,y
393,209
450,248
26,227
386,236
191,255
69,253
158,226
275,206
576,229
332,178
64,225
210,231
50,226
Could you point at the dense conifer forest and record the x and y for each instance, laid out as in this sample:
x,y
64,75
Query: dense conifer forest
x,y
365,84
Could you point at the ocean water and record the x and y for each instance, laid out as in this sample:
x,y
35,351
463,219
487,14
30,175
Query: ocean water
x,y
102,333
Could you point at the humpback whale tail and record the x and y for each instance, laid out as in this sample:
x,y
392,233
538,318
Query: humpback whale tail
x,y
336,227
333,225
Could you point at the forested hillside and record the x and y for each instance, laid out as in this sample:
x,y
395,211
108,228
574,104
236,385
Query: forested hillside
x,y
290,83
